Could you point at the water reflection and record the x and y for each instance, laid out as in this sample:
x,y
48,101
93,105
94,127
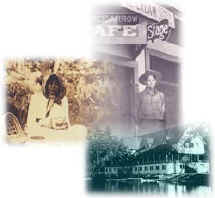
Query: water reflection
x,y
145,187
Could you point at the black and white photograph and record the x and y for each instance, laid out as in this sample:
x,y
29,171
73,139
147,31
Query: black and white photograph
x,y
171,162
143,42
144,147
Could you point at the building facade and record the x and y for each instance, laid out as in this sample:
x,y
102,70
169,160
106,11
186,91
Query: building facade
x,y
185,153
122,38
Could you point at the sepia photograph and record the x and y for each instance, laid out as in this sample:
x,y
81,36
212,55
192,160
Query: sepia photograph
x,y
53,100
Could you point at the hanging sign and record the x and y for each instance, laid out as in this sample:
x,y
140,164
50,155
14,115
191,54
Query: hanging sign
x,y
158,30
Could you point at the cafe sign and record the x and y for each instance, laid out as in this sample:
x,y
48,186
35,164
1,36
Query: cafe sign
x,y
152,11
119,29
158,30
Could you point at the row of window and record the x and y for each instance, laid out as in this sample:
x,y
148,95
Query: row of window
x,y
110,170
145,168
151,168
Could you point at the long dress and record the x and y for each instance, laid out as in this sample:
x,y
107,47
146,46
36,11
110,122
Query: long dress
x,y
40,126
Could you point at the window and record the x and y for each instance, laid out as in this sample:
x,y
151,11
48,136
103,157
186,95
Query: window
x,y
170,70
163,167
135,168
201,157
151,167
146,168
181,166
157,167
140,169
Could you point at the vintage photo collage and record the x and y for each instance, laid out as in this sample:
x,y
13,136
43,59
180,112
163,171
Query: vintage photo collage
x,y
125,103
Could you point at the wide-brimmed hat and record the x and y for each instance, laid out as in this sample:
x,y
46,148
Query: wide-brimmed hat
x,y
143,77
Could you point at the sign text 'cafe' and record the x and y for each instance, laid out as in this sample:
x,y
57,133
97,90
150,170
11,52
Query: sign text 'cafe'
x,y
116,25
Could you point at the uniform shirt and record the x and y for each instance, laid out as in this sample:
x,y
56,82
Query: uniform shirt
x,y
151,105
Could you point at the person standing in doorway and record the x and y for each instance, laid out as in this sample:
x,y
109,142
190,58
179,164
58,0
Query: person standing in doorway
x,y
150,104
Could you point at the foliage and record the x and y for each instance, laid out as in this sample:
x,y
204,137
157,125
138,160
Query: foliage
x,y
106,150
88,84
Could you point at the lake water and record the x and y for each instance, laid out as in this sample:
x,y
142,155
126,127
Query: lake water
x,y
136,186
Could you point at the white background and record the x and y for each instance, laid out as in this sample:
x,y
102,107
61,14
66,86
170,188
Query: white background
x,y
62,28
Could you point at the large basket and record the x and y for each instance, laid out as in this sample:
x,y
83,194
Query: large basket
x,y
13,126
